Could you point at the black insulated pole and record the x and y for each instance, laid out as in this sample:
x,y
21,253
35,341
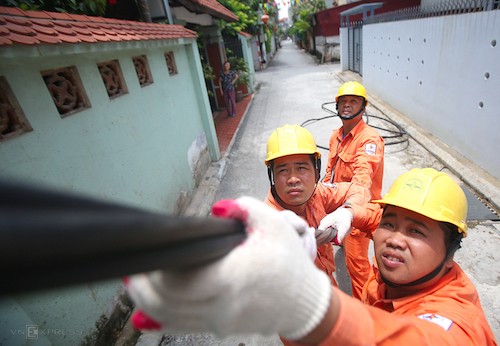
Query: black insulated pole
x,y
50,239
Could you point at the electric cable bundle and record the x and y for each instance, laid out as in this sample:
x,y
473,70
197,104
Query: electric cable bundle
x,y
390,135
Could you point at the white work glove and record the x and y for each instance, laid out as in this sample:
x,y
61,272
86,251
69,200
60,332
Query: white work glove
x,y
334,227
266,285
306,233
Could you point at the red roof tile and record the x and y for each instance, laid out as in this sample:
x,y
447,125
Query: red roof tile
x,y
5,41
37,27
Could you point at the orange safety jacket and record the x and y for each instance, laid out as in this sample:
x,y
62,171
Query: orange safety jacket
x,y
326,200
358,157
447,313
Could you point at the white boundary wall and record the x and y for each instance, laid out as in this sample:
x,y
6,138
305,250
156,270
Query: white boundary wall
x,y
444,74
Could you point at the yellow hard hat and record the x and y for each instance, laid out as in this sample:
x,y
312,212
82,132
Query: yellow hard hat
x,y
290,140
352,88
430,193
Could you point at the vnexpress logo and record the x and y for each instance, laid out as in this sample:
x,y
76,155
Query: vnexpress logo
x,y
31,331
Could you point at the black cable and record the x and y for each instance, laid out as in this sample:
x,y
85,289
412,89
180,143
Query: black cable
x,y
51,238
313,120
399,133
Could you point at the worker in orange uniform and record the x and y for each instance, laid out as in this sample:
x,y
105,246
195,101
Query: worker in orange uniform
x,y
294,166
356,154
417,294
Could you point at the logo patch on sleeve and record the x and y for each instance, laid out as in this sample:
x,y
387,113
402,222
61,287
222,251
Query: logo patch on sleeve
x,y
371,149
441,321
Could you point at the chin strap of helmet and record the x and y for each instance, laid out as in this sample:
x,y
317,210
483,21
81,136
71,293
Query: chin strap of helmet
x,y
452,248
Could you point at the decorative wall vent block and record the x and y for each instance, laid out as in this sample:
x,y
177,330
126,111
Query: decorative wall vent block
x,y
112,77
12,120
142,70
66,89
172,67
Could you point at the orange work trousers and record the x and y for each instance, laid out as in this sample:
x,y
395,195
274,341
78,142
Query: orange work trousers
x,y
356,260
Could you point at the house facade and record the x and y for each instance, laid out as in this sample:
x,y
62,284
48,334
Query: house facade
x,y
112,109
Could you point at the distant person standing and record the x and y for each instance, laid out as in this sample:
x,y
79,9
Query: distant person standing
x,y
227,81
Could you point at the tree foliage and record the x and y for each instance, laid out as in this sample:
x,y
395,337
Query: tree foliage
x,y
248,12
88,7
243,10
302,14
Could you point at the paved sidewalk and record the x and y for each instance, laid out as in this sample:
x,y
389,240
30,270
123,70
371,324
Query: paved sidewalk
x,y
227,127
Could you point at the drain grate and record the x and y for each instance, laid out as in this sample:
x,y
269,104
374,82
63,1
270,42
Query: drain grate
x,y
478,209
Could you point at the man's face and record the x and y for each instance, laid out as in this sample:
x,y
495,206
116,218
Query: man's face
x,y
408,245
349,105
294,178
